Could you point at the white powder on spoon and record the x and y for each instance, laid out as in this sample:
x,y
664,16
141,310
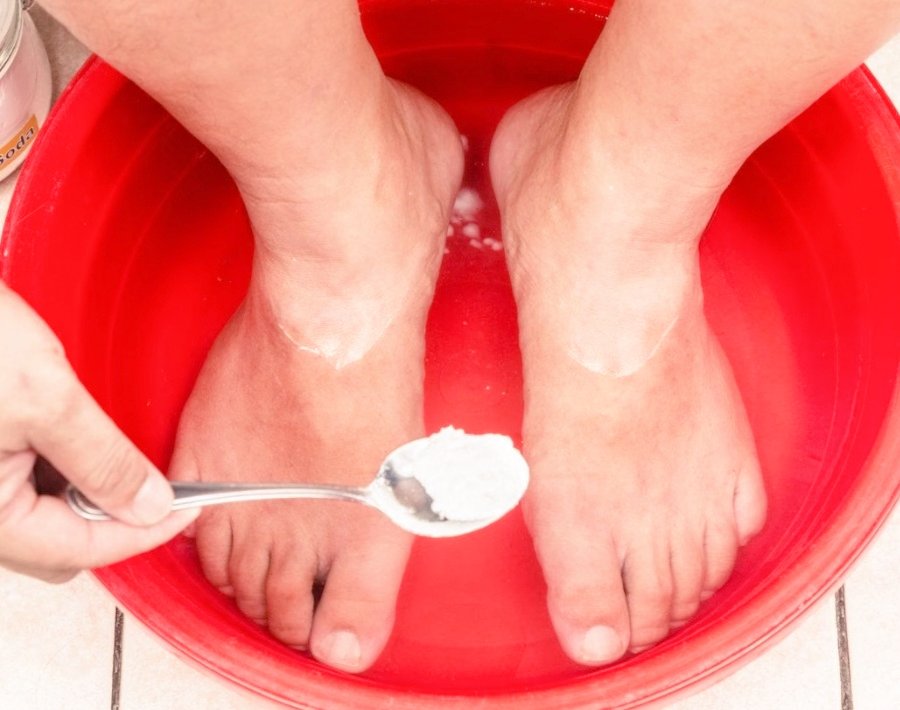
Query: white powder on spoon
x,y
468,477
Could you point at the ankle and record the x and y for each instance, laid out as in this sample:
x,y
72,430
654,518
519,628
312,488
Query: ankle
x,y
388,187
315,158
334,329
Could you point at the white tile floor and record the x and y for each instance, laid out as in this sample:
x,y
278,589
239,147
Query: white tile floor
x,y
56,643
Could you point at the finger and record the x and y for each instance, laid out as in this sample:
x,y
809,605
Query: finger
x,y
83,443
45,575
50,537
15,470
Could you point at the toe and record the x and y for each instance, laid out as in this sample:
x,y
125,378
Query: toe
x,y
356,612
248,570
720,545
649,589
289,598
749,502
687,567
213,536
585,596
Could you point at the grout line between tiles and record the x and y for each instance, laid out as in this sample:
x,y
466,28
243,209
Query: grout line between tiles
x,y
840,608
117,660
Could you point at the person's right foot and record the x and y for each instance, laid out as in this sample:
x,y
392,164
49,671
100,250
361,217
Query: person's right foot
x,y
645,479
319,375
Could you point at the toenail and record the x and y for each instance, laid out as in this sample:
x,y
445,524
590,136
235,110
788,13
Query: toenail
x,y
601,644
341,649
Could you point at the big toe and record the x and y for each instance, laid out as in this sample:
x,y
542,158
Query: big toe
x,y
356,612
585,596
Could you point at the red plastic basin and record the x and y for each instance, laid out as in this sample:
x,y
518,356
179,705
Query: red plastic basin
x,y
132,242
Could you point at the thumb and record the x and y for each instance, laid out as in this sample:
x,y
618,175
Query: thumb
x,y
84,444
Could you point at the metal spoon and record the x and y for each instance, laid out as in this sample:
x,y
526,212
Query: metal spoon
x,y
401,498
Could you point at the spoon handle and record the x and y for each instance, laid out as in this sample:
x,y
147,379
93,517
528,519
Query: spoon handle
x,y
199,493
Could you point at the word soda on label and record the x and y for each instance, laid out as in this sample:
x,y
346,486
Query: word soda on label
x,y
12,150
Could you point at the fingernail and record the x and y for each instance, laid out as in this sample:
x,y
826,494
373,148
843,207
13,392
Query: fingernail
x,y
341,649
153,501
601,644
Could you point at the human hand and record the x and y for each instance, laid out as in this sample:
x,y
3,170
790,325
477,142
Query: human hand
x,y
46,411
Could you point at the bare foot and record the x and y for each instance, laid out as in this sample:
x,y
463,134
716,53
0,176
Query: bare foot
x,y
320,373
645,477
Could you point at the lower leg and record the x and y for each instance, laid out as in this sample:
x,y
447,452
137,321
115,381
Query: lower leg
x,y
634,428
701,85
291,98
245,79
348,178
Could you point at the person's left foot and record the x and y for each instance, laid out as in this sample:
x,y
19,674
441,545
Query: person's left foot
x,y
645,479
